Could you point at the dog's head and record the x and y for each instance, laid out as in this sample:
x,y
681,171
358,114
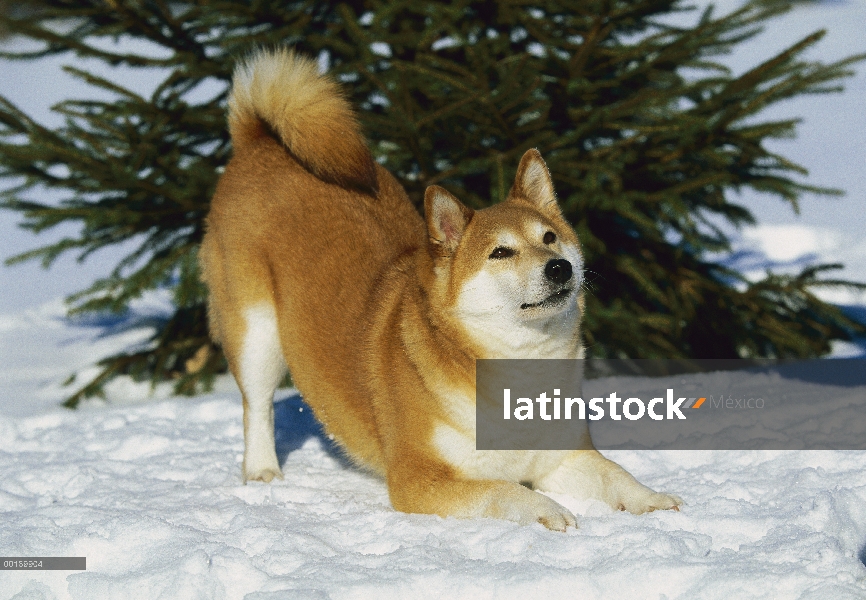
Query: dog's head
x,y
510,274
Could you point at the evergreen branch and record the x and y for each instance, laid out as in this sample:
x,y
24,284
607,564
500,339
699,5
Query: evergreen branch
x,y
103,83
58,44
643,129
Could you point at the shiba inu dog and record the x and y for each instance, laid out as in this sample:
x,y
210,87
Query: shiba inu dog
x,y
316,260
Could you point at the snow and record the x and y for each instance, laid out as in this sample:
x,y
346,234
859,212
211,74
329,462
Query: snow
x,y
151,494
147,486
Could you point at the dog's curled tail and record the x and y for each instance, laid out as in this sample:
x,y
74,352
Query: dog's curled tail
x,y
278,93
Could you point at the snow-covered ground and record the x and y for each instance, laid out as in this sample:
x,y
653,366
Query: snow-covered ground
x,y
150,493
149,489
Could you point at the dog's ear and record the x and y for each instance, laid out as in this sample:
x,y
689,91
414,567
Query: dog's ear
x,y
533,184
447,219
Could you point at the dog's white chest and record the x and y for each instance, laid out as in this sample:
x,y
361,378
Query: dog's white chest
x,y
454,441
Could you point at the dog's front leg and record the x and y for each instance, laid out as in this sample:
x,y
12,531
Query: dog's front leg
x,y
587,474
429,487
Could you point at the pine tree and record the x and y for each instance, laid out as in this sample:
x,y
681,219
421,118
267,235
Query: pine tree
x,y
643,130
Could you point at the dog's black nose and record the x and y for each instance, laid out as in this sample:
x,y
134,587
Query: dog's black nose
x,y
558,270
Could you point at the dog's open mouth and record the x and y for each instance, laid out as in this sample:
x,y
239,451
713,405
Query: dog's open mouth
x,y
552,300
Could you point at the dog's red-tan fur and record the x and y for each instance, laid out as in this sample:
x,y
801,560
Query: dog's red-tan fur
x,y
316,259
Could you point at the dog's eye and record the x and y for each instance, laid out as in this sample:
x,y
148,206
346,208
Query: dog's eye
x,y
549,237
502,252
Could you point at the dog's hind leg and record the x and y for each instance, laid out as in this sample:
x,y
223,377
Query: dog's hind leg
x,y
259,369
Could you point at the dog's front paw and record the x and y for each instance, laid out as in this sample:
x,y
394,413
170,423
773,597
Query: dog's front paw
x,y
526,507
554,516
649,502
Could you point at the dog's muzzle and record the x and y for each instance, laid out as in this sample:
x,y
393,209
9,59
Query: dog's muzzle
x,y
558,270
